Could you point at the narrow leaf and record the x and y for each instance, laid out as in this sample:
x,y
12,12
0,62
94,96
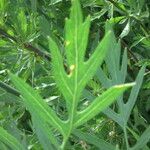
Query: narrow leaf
x,y
134,93
36,104
123,70
92,139
142,141
45,136
9,140
59,73
126,30
96,59
101,103
73,33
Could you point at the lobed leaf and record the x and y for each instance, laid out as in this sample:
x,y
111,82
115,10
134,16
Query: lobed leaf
x,y
60,75
91,66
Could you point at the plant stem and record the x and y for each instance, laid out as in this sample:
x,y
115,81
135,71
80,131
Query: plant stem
x,y
126,137
62,147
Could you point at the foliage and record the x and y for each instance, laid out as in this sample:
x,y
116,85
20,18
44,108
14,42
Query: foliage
x,y
60,99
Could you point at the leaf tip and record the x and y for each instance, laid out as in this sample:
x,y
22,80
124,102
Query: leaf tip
x,y
127,85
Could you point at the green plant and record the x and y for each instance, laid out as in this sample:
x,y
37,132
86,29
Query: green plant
x,y
45,121
114,73
9,140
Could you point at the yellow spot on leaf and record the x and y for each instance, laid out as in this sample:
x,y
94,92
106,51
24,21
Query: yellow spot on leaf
x,y
67,43
71,69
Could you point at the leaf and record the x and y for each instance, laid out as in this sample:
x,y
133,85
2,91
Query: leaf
x,y
73,83
135,43
92,139
59,72
118,75
45,136
99,14
101,103
96,59
123,69
76,38
142,141
53,2
133,95
9,140
136,136
44,26
36,106
22,22
126,30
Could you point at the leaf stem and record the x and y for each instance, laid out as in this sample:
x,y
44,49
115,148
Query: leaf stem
x,y
62,147
126,137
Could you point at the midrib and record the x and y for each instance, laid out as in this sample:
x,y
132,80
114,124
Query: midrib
x,y
73,109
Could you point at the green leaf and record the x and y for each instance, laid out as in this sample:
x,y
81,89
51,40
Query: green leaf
x,y
118,75
133,95
92,139
44,26
53,2
101,103
126,30
59,72
142,141
123,70
22,22
90,67
73,83
45,135
135,43
36,105
9,140
136,136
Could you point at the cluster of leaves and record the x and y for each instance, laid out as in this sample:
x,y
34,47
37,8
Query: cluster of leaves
x,y
72,85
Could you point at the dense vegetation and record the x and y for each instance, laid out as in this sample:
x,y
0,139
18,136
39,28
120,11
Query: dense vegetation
x,y
75,74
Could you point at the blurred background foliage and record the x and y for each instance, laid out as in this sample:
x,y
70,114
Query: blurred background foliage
x,y
24,26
